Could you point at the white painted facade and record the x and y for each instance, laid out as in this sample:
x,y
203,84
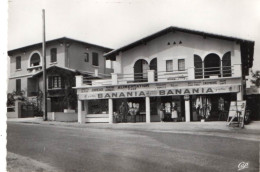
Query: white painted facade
x,y
191,45
171,45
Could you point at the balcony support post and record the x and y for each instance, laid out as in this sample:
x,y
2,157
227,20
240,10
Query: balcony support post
x,y
150,75
114,78
79,80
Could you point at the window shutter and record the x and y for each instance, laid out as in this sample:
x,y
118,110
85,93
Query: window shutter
x,y
18,62
95,59
54,55
18,85
62,82
49,82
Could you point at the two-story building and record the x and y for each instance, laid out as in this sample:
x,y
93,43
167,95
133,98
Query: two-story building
x,y
175,69
65,58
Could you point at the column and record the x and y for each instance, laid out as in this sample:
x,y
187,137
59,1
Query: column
x,y
240,93
150,75
147,108
79,80
187,110
110,111
86,107
81,115
114,77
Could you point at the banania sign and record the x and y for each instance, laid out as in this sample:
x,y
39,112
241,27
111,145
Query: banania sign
x,y
162,92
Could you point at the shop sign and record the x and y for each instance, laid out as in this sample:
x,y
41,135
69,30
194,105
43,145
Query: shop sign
x,y
161,92
159,86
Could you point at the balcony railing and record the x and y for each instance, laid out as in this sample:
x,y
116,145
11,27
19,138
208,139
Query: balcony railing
x,y
161,76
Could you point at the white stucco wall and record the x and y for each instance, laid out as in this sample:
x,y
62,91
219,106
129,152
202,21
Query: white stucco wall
x,y
191,45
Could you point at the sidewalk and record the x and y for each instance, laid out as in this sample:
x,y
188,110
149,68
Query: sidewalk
x,y
216,128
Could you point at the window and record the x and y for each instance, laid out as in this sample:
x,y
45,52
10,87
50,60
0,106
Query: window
x,y
86,57
35,60
95,59
55,82
18,62
18,85
181,64
169,66
53,55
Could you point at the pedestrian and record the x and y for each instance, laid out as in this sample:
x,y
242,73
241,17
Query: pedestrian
x,y
161,108
174,112
123,111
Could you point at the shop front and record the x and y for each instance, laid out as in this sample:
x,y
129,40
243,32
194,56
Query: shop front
x,y
154,102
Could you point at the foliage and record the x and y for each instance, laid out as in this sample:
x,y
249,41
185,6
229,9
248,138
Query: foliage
x,y
15,95
256,78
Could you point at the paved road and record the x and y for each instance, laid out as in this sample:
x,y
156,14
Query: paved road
x,y
89,149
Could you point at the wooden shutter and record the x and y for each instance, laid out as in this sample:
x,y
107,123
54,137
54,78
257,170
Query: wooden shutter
x,y
18,85
50,82
18,62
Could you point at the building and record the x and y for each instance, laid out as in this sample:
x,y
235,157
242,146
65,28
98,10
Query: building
x,y
194,73
65,58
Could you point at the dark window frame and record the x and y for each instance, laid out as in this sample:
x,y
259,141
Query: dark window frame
x,y
169,70
180,60
38,63
53,52
95,59
18,85
18,62
55,82
86,57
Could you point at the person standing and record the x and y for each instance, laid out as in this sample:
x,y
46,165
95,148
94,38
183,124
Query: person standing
x,y
161,108
174,112
123,111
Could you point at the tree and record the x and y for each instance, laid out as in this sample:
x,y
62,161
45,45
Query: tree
x,y
256,78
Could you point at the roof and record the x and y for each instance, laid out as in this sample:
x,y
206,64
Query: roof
x,y
10,52
172,29
77,72
55,67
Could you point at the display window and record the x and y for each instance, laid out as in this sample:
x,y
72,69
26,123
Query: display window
x,y
211,107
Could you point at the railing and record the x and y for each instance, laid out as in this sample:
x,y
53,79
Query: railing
x,y
161,76
149,76
225,71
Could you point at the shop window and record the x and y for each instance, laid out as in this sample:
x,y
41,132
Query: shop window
x,y
18,62
169,65
18,85
198,67
55,82
86,57
35,60
95,59
226,65
53,55
181,64
98,107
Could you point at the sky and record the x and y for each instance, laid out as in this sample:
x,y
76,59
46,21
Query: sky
x,y
114,23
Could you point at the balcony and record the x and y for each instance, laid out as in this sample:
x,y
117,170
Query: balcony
x,y
162,76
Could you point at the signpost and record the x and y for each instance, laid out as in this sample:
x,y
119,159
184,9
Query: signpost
x,y
237,110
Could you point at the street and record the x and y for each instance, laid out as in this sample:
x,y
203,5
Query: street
x,y
92,149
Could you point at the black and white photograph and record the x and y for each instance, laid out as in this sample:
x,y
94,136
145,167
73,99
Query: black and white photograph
x,y
130,86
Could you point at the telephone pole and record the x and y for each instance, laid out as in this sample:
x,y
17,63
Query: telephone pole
x,y
44,69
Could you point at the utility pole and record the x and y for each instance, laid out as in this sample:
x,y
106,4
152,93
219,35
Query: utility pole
x,y
44,68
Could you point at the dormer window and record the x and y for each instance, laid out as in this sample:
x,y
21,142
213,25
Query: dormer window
x,y
35,60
